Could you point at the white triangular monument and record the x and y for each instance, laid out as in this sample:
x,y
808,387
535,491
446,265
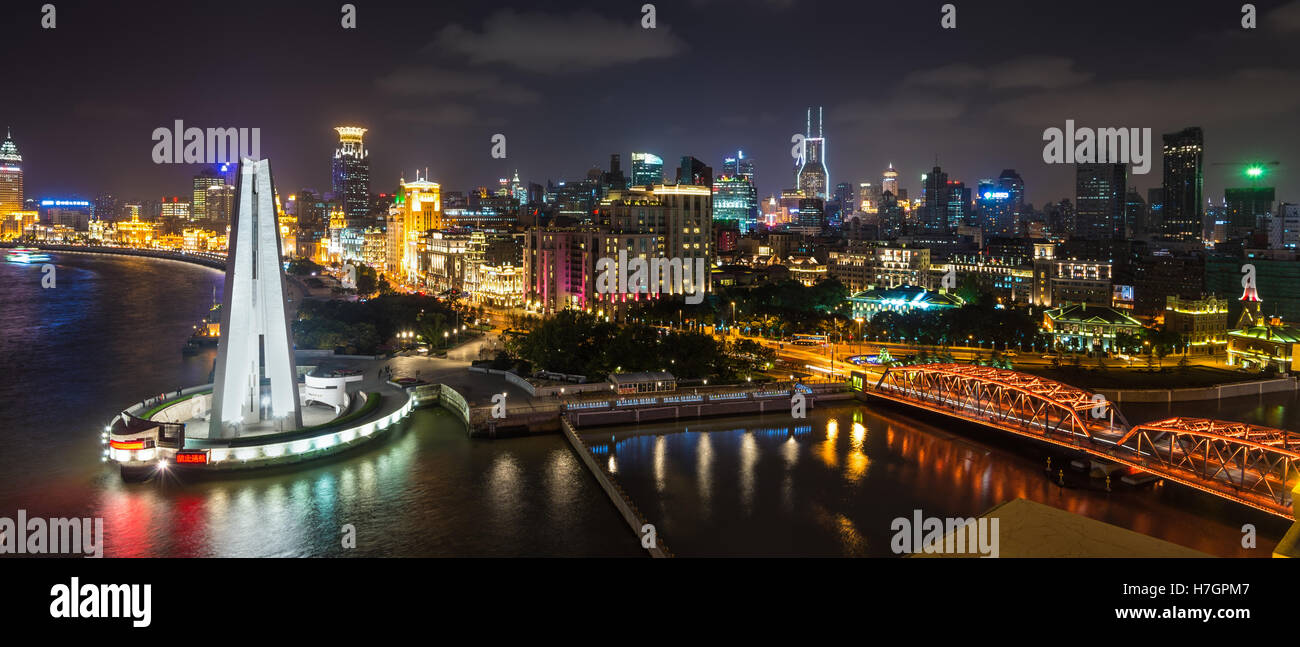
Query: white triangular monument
x,y
254,343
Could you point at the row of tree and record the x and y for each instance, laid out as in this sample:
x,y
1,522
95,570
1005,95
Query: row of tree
x,y
581,343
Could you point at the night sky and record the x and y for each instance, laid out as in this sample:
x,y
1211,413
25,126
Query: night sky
x,y
568,83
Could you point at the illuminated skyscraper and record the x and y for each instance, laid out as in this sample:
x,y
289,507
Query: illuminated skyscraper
x,y
994,207
1100,194
206,178
420,202
11,176
813,178
219,201
694,172
890,181
1011,182
1183,184
647,169
934,211
351,173
735,198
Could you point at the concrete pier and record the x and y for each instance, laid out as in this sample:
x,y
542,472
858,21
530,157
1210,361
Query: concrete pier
x,y
616,495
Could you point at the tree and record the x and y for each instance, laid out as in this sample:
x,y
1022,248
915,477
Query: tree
x,y
430,329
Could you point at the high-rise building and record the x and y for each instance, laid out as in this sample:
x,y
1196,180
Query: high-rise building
x,y
420,203
735,202
813,178
1248,210
1135,213
1011,182
812,215
612,180
996,209
735,197
206,178
739,167
694,172
219,202
1100,191
844,204
890,216
1155,209
11,176
1183,203
889,181
106,207
1284,227
351,173
934,206
958,210
173,215
647,169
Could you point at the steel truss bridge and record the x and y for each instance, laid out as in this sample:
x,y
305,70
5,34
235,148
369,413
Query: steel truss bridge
x,y
1249,464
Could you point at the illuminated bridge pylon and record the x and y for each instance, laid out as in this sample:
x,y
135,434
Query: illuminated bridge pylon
x,y
1249,464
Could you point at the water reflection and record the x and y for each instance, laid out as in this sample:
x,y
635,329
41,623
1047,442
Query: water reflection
x,y
112,333
843,501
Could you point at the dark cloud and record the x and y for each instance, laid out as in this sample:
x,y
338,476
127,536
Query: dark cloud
x,y
555,44
1025,72
434,82
1284,19
1219,99
443,114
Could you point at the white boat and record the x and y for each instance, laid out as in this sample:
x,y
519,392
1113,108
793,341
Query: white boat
x,y
26,255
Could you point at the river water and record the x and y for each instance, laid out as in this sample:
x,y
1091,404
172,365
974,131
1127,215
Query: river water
x,y
111,330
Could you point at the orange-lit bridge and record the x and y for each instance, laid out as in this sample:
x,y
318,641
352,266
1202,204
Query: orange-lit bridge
x,y
1253,465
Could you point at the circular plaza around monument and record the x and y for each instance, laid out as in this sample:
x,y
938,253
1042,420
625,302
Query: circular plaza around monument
x,y
172,432
263,408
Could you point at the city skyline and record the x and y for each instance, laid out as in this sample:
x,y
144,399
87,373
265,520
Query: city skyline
x,y
458,88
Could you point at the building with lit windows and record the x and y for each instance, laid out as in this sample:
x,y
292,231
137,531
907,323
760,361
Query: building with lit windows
x,y
205,179
864,267
647,169
447,260
813,178
1202,322
996,210
15,224
375,248
1182,203
682,215
420,205
735,203
11,176
350,173
1088,327
501,286
902,299
73,214
560,266
1057,282
1101,191
134,232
